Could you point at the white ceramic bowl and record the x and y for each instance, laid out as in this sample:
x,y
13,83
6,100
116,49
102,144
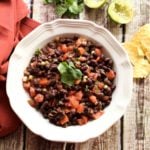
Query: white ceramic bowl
x,y
37,39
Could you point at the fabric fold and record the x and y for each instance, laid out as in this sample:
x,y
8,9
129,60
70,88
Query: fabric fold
x,y
14,25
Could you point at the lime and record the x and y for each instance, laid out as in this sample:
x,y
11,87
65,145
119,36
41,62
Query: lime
x,y
120,11
94,3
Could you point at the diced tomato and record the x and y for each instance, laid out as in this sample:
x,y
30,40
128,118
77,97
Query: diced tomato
x,y
43,81
64,48
65,56
93,99
80,108
98,52
98,114
64,120
79,95
100,85
72,92
93,75
39,98
26,86
70,48
81,50
83,120
32,91
110,75
88,71
73,101
97,59
66,110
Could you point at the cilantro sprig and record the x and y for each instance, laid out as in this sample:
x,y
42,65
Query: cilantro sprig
x,y
69,73
69,8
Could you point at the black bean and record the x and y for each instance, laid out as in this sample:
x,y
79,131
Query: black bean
x,y
93,63
113,87
108,91
53,67
89,82
58,52
52,45
52,82
44,109
100,95
84,68
66,40
53,93
107,81
106,68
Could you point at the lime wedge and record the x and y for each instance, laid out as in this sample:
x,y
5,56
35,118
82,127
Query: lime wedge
x,y
120,11
94,3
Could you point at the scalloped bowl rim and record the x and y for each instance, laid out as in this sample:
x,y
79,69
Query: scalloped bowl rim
x,y
38,38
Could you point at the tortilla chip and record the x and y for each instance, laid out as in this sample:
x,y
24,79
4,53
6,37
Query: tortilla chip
x,y
145,42
133,52
138,49
142,69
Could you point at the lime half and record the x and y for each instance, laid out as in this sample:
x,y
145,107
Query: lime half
x,y
94,3
120,11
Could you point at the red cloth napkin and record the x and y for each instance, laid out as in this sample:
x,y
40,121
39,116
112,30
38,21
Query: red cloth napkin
x,y
14,25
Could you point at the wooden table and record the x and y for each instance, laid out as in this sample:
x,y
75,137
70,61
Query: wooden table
x,y
132,132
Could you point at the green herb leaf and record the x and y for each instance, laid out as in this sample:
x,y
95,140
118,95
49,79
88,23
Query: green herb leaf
x,y
75,8
60,10
67,79
69,73
48,1
37,52
62,67
67,8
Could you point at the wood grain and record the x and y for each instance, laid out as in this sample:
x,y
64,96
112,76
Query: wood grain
x,y
13,141
137,119
34,142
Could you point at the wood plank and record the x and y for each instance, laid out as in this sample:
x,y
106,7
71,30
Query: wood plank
x,y
146,114
13,141
111,139
137,119
34,142
43,13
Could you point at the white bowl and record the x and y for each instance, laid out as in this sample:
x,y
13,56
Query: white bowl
x,y
37,39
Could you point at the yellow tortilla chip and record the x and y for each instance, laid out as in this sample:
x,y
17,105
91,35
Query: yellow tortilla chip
x,y
133,53
138,49
148,55
145,42
142,69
